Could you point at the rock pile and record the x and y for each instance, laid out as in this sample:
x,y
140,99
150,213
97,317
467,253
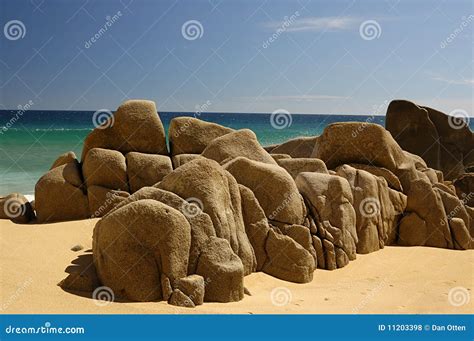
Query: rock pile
x,y
187,225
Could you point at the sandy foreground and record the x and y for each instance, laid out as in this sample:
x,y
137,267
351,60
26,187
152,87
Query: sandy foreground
x,y
34,258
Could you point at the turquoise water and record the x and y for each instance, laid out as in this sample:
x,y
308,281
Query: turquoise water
x,y
30,145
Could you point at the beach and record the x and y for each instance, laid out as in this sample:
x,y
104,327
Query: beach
x,y
394,280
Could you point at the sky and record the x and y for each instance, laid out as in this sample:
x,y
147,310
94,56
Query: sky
x,y
341,57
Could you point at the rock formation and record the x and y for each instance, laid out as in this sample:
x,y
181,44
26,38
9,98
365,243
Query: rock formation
x,y
187,226
444,142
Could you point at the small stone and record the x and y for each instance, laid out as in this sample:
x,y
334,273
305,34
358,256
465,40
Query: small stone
x,y
178,298
193,287
77,247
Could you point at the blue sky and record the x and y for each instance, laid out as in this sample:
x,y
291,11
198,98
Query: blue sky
x,y
318,62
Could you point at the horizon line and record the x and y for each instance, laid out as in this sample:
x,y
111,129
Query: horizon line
x,y
204,112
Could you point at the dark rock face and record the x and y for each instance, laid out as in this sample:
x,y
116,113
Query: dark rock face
x,y
444,142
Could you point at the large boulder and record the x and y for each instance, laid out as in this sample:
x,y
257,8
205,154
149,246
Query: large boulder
x,y
189,135
17,208
134,127
106,168
256,225
329,199
146,169
277,254
425,222
59,195
181,159
372,145
365,143
238,143
444,142
201,224
137,243
274,188
300,234
412,128
300,147
222,271
378,208
287,259
459,220
206,184
295,166
456,153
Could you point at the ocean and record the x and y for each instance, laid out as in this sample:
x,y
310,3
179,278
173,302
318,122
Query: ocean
x,y
31,143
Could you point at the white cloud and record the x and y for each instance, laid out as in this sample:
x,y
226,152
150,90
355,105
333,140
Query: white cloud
x,y
463,81
315,24
296,98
